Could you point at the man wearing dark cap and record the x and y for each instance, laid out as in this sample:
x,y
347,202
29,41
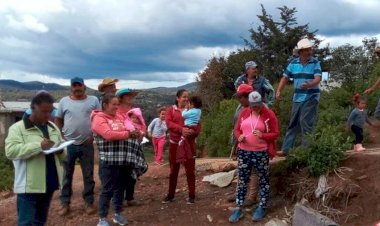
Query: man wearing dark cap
x,y
73,119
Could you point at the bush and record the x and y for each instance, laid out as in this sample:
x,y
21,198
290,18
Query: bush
x,y
216,129
6,172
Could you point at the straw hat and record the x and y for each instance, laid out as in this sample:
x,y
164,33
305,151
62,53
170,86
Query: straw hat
x,y
303,44
106,82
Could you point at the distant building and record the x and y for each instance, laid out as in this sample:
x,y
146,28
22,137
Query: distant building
x,y
11,112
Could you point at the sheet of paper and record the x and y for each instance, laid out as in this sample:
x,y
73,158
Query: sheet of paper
x,y
59,147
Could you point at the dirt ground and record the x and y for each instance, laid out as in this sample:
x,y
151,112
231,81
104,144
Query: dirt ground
x,y
362,208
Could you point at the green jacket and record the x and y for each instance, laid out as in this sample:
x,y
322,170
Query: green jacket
x,y
23,147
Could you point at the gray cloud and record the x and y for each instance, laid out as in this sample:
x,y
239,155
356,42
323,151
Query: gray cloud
x,y
158,38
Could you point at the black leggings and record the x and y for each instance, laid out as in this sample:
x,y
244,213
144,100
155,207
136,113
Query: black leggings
x,y
358,134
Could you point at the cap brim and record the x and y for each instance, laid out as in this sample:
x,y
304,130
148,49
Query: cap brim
x,y
255,104
131,93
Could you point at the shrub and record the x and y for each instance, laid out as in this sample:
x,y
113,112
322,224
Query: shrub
x,y
6,172
216,129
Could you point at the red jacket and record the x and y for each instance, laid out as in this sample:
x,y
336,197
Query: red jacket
x,y
271,126
175,123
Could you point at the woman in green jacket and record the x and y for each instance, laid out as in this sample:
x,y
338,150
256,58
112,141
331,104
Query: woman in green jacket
x,y
37,175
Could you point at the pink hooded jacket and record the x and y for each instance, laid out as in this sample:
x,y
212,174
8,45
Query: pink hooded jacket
x,y
107,126
130,126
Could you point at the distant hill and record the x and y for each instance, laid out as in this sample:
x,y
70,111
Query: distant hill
x,y
190,86
147,100
12,85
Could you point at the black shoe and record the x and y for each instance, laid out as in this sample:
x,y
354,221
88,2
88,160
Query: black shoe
x,y
190,201
168,199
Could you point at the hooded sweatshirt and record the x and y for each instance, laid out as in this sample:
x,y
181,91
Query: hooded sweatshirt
x,y
107,126
131,126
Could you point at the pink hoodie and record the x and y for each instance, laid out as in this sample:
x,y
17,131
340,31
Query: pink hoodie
x,y
107,126
131,126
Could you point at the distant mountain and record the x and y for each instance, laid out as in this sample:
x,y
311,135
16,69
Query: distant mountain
x,y
147,100
12,85
190,86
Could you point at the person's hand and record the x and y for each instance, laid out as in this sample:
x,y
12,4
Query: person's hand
x,y
258,133
149,135
89,141
187,132
46,144
369,90
134,134
305,85
241,138
278,95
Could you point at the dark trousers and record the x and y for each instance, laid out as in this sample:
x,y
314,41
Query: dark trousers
x,y
33,209
85,154
174,170
113,182
302,120
130,187
358,134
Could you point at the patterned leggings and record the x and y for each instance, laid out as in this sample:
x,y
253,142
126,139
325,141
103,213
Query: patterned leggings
x,y
246,161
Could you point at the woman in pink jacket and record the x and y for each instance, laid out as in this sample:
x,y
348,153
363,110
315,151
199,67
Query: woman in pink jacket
x,y
115,162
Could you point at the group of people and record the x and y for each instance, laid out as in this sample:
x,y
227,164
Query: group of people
x,y
116,128
113,126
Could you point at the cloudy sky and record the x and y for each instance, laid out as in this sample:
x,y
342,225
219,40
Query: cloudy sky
x,y
151,43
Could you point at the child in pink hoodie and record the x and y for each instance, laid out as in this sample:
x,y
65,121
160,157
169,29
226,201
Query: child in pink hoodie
x,y
135,121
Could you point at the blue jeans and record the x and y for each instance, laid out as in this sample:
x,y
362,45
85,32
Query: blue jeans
x,y
33,209
302,120
113,179
377,110
85,154
246,161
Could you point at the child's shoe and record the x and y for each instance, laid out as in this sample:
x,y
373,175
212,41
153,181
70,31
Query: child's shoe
x,y
359,148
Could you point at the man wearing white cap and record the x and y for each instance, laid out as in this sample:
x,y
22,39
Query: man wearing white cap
x,y
375,86
306,72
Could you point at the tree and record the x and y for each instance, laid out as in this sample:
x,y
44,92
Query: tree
x,y
351,65
273,41
210,83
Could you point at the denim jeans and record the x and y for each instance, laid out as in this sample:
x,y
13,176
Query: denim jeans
x,y
113,179
85,154
302,120
377,110
33,209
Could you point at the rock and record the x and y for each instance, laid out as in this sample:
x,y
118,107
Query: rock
x,y
304,216
220,179
209,218
276,222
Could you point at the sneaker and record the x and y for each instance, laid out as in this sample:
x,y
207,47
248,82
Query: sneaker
x,y
133,203
236,215
89,209
190,201
103,222
65,209
119,219
168,199
258,214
